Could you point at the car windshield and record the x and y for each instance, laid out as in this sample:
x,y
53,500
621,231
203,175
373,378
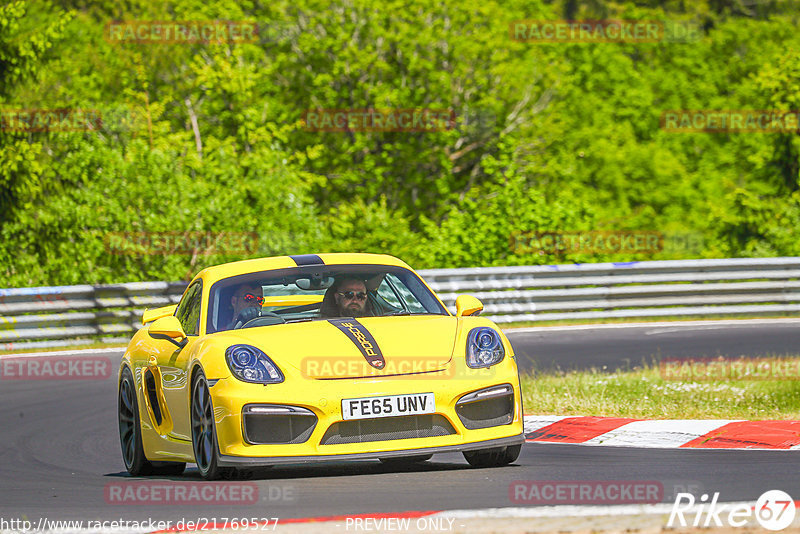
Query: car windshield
x,y
318,292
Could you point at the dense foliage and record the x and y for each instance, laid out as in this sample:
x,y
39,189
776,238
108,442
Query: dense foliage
x,y
209,137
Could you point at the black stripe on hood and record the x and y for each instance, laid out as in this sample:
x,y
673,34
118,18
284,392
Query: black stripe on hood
x,y
361,338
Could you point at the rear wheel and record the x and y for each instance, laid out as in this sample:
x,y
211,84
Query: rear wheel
x,y
204,436
407,460
496,457
130,434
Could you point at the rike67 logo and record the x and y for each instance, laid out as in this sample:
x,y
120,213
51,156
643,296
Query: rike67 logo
x,y
774,510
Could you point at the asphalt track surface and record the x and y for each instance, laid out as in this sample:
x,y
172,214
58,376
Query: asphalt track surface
x,y
59,449
618,346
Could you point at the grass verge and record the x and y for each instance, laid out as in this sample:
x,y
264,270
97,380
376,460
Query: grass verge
x,y
644,393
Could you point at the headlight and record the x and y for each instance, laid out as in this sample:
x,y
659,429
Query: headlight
x,y
249,364
484,347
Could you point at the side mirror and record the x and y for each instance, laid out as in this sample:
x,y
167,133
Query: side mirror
x,y
468,305
168,328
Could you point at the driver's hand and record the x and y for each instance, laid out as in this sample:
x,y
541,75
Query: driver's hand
x,y
248,314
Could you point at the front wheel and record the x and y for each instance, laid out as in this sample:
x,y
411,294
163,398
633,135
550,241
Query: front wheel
x,y
204,436
496,457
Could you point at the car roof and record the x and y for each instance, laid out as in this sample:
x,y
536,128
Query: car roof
x,y
218,272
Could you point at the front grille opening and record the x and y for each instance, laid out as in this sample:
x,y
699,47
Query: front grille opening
x,y
269,429
487,413
152,397
387,429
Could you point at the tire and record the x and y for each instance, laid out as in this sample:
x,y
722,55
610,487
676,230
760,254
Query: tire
x,y
130,434
406,460
497,457
204,435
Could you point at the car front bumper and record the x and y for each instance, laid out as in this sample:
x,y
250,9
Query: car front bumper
x,y
324,398
242,461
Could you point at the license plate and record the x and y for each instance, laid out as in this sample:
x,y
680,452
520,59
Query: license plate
x,y
389,406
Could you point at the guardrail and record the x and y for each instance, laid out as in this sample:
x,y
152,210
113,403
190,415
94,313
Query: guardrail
x,y
59,316
68,315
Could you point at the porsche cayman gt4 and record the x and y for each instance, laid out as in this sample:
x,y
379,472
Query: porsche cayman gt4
x,y
296,359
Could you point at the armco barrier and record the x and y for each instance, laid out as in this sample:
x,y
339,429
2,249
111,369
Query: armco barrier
x,y
70,315
60,316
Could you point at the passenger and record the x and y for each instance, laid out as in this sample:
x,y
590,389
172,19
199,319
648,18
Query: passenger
x,y
347,297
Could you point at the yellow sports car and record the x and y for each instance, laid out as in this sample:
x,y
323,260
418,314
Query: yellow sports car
x,y
294,359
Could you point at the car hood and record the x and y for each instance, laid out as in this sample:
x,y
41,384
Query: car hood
x,y
347,348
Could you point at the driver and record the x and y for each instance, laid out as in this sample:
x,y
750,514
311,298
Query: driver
x,y
351,297
246,303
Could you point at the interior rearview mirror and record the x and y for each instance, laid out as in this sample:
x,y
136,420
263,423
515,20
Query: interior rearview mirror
x,y
314,282
468,305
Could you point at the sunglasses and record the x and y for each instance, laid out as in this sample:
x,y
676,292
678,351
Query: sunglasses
x,y
350,295
252,298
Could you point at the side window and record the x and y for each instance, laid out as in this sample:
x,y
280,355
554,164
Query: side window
x,y
388,295
411,301
392,287
188,312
